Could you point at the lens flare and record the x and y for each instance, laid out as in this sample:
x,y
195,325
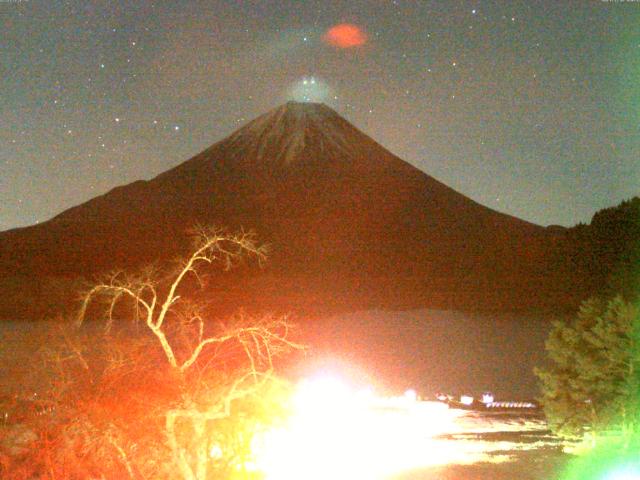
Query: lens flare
x,y
608,461
341,433
625,473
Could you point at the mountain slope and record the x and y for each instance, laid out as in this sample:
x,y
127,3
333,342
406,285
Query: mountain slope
x,y
350,224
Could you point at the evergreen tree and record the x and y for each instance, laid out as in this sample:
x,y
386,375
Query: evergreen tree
x,y
593,378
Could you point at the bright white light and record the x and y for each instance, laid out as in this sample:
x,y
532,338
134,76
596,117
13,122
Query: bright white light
x,y
466,400
411,395
487,397
624,473
339,433
215,452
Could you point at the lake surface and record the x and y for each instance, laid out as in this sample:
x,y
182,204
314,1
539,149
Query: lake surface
x,y
434,351
494,448
427,350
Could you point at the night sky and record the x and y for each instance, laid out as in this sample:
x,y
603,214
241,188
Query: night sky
x,y
529,107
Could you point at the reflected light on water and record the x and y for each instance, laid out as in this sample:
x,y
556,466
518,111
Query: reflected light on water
x,y
341,433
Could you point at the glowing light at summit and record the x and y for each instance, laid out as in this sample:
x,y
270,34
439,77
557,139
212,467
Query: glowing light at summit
x,y
310,89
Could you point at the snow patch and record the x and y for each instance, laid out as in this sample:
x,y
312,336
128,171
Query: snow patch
x,y
286,131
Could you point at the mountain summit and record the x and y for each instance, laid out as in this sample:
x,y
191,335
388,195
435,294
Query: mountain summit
x,y
350,224
293,130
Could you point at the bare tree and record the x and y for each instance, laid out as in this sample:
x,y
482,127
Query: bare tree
x,y
216,364
144,290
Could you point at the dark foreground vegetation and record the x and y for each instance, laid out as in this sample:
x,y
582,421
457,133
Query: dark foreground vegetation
x,y
141,382
139,385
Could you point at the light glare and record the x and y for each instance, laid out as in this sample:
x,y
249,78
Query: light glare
x,y
340,433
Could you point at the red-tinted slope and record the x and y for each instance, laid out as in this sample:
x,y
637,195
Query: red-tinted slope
x,y
349,223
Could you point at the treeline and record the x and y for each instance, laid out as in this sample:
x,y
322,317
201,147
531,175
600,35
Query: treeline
x,y
591,385
603,258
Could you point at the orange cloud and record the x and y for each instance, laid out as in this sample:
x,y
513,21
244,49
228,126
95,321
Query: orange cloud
x,y
345,35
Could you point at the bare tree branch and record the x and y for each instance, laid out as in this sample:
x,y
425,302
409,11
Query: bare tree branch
x,y
179,327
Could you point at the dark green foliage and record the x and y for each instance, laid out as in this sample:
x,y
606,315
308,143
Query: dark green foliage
x,y
592,382
606,253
